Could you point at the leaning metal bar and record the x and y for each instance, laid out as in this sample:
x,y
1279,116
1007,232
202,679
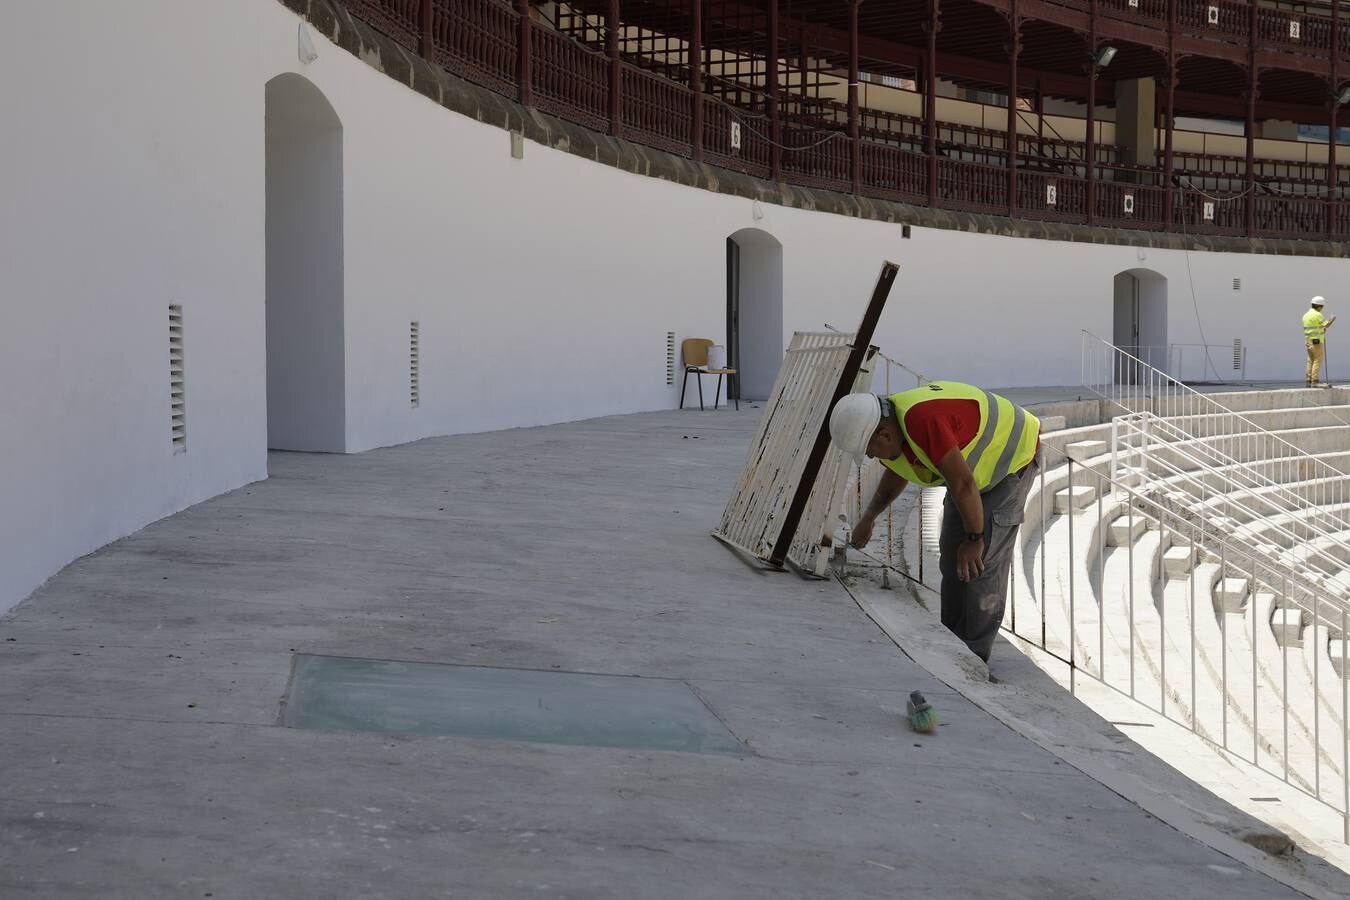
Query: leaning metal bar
x,y
1073,637
1192,618
1317,701
1042,603
1162,617
846,378
1256,704
1101,590
1130,583
1345,732
1284,700
1223,637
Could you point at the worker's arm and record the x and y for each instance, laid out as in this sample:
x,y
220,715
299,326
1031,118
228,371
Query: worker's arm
x,y
961,488
888,489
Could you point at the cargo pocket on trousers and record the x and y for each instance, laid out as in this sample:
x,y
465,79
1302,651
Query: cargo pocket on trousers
x,y
1008,516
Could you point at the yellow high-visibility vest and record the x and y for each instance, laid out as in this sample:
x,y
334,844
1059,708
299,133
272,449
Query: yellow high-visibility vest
x,y
1005,442
1314,325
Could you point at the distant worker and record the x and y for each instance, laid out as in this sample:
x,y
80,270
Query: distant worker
x,y
985,450
1315,327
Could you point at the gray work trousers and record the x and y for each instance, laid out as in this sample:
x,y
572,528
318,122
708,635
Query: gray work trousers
x,y
973,610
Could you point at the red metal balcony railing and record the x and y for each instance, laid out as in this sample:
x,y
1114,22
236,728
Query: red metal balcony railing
x,y
734,139
972,187
400,19
569,80
476,41
656,111
649,98
894,174
1125,205
1223,20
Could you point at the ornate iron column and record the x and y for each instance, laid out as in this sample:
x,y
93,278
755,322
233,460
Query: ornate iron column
x,y
1090,138
1331,204
695,72
932,27
771,88
1014,54
612,27
1169,194
524,74
854,132
1254,76
427,43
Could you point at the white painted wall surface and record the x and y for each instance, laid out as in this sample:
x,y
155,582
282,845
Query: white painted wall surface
x,y
544,286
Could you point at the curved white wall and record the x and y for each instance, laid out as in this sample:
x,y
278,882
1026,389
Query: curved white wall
x,y
134,177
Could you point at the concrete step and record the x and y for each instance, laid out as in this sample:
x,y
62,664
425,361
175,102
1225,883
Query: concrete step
x,y
1232,594
1287,625
1178,561
1119,533
1338,649
1080,451
1053,423
1080,496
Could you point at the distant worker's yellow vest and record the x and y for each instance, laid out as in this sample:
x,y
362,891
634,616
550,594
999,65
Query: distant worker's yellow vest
x,y
1314,325
1006,440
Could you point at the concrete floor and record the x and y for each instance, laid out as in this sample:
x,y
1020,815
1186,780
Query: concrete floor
x,y
141,691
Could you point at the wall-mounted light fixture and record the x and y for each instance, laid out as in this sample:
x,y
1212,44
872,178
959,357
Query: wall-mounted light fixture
x,y
308,52
1344,96
1102,58
757,211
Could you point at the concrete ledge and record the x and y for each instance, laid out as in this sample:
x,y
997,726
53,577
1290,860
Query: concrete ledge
x,y
1031,703
385,55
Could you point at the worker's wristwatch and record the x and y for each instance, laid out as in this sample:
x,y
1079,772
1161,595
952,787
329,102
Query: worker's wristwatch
x,y
974,536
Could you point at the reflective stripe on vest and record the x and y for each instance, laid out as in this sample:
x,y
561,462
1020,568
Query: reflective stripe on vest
x,y
1005,442
1314,325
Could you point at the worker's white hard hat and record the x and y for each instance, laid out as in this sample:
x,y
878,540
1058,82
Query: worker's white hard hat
x,y
1319,301
853,421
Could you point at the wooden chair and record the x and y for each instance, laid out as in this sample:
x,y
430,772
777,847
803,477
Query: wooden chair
x,y
694,351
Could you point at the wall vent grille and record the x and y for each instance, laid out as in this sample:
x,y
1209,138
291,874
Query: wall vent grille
x,y
415,364
670,357
1238,351
1237,284
177,381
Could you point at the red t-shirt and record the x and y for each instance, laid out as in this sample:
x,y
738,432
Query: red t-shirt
x,y
939,425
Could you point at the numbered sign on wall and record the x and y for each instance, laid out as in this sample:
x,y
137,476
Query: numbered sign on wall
x,y
1294,30
1050,194
735,135
1128,204
1214,15
1209,211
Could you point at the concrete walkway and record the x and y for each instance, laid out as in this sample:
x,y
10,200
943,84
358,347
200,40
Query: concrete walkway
x,y
141,691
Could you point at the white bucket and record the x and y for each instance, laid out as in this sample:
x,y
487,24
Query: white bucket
x,y
717,357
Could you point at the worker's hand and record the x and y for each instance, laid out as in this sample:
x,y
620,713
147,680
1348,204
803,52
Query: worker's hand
x,y
970,559
862,532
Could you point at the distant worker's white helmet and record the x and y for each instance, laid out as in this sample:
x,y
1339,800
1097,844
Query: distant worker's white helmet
x,y
853,421
1319,301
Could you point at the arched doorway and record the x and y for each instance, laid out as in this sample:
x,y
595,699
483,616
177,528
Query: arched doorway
x,y
1139,325
754,312
306,397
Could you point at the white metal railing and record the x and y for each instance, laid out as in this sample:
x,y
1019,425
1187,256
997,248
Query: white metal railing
x,y
1244,652
1229,444
1210,590
1197,478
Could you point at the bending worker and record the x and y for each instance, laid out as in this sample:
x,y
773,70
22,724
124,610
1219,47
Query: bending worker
x,y
984,449
1315,327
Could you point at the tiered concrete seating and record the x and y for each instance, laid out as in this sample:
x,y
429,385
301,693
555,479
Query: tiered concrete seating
x,y
1154,613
